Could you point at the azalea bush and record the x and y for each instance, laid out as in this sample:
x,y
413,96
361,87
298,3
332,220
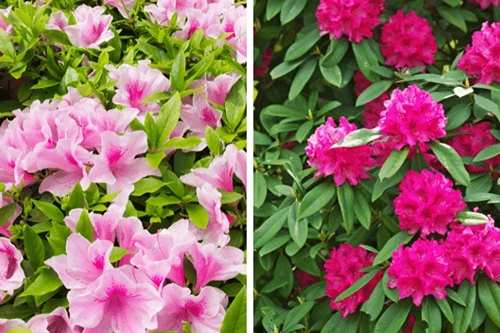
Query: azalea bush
x,y
122,167
377,149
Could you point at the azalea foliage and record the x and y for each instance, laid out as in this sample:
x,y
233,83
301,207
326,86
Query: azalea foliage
x,y
123,166
377,154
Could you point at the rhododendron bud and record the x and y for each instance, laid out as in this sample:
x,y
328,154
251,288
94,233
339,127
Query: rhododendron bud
x,y
480,58
4,201
343,268
412,116
57,21
55,322
373,109
485,3
420,270
407,41
353,18
349,164
129,5
427,203
4,26
92,28
204,312
137,83
12,275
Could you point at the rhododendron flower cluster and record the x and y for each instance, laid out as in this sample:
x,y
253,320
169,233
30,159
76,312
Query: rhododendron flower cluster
x,y
412,116
355,19
427,203
345,164
373,109
485,3
342,270
479,59
407,41
420,270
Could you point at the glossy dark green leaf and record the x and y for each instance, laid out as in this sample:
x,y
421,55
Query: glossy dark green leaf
x,y
393,163
316,199
450,159
373,91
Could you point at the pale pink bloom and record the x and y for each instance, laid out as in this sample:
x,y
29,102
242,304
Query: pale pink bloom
x,y
4,229
4,26
200,115
9,324
117,165
57,21
234,24
214,263
131,236
219,87
164,9
204,312
10,168
92,28
220,172
11,274
197,18
104,225
137,83
55,322
115,303
84,262
118,4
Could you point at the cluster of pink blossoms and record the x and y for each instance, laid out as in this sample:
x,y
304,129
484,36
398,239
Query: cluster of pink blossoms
x,y
485,3
407,41
480,59
411,116
352,18
427,203
342,270
373,109
214,17
345,164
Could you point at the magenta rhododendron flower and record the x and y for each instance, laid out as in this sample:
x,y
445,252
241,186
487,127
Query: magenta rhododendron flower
x,y
11,274
137,83
412,116
420,270
345,164
407,41
204,312
92,28
485,3
57,21
305,279
471,139
4,229
427,203
480,58
4,26
352,18
55,322
373,109
84,263
342,270
115,303
118,4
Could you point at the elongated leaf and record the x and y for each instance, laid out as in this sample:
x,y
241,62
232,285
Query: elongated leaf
x,y
235,320
316,199
394,317
84,227
373,91
301,78
198,215
360,283
302,45
296,314
431,315
33,246
375,304
489,295
362,209
270,228
487,153
291,9
450,159
45,283
359,137
298,228
260,189
336,51
366,58
168,118
392,245
446,309
472,218
393,163
346,201
49,210
463,315
6,213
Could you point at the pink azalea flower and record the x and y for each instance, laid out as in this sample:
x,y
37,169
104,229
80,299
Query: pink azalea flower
x,y
137,83
9,324
204,312
57,21
200,115
84,262
92,28
373,109
132,236
10,168
407,41
485,3
420,270
412,116
196,18
164,9
480,57
213,263
354,18
116,164
115,303
12,275
118,4
349,164
219,87
4,26
342,270
4,229
220,172
55,322
104,225
427,203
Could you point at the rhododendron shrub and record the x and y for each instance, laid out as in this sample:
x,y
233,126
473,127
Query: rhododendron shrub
x,y
376,166
123,167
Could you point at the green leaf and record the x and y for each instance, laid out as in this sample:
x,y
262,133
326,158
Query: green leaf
x,y
360,283
260,189
394,317
147,185
48,281
332,74
273,7
381,185
463,315
155,159
335,53
373,91
472,218
168,118
270,227
358,138
6,213
453,15
49,210
235,105
19,330
446,309
198,215
302,45
285,68
375,304
489,295
57,239
182,143
213,141
84,226
316,199
365,58
457,116
392,245
302,78
393,163
450,159
235,320
296,314
230,197
70,78
362,209
43,84
431,315
345,196
487,153
117,253
291,9
298,228
76,198
178,72
33,247
487,105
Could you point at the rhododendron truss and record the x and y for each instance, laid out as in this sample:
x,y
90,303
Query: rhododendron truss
x,y
123,167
